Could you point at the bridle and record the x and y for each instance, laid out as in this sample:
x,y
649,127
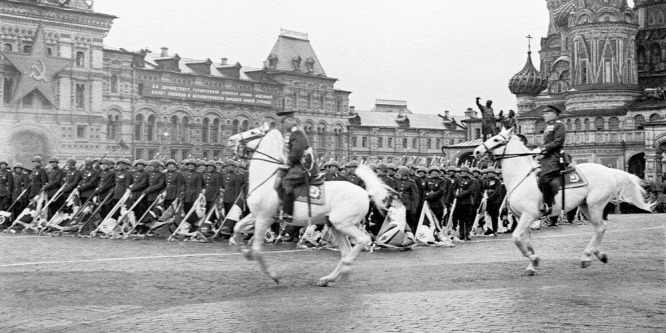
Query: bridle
x,y
504,155
243,151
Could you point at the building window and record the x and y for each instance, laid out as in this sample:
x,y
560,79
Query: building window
x,y
578,125
174,129
80,59
245,126
216,154
414,143
185,130
235,126
205,154
81,132
150,128
321,137
654,117
429,143
80,95
111,127
49,51
138,153
569,125
151,154
390,143
138,128
587,124
173,154
380,142
477,133
438,143
599,124
613,124
215,131
309,97
639,121
364,142
354,141
338,106
295,100
6,47
27,48
322,101
204,130
114,83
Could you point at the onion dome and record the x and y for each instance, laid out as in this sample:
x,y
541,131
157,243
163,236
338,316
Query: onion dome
x,y
528,81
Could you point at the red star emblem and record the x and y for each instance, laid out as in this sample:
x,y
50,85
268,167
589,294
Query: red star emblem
x,y
38,69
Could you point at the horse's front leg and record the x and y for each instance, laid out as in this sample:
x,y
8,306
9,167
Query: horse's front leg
x,y
595,216
361,240
261,224
524,245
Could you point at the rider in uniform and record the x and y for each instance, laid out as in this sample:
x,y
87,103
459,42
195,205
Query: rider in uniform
x,y
549,156
301,165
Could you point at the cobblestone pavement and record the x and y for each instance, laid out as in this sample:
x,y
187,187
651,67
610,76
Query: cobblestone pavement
x,y
95,285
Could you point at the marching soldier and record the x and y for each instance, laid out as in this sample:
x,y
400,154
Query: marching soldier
x,y
6,186
464,213
493,188
71,181
435,189
123,181
213,184
107,181
55,181
194,184
408,194
139,184
419,178
38,177
332,173
232,185
391,169
156,184
351,174
382,173
21,183
175,183
89,180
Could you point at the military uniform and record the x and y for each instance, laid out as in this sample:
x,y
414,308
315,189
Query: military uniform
x,y
553,142
435,189
464,212
232,184
156,184
56,177
175,186
194,184
139,184
89,181
6,188
21,182
493,188
408,194
302,167
212,184
38,178
123,181
334,176
107,181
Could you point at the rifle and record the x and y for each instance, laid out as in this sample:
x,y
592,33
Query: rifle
x,y
449,223
194,207
40,224
145,213
113,211
226,216
480,212
108,196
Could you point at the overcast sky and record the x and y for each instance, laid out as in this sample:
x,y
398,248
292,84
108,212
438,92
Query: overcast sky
x,y
436,55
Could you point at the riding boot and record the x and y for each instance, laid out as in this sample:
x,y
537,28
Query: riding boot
x,y
288,206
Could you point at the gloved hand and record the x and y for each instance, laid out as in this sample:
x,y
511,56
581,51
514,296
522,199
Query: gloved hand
x,y
537,151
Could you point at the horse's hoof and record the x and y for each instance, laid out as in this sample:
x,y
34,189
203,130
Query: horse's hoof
x,y
247,253
534,259
603,258
323,283
529,272
275,278
585,263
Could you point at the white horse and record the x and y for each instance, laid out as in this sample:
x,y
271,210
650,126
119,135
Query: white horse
x,y
524,197
345,206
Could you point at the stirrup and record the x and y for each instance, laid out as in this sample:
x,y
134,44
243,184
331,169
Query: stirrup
x,y
545,209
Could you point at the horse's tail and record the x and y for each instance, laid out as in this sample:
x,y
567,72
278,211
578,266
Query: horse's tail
x,y
630,189
378,191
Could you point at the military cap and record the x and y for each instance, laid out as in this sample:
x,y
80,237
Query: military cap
x,y
352,164
326,164
106,161
433,168
334,163
36,159
140,161
70,161
464,169
391,166
382,166
170,161
552,108
409,165
403,170
18,165
421,169
54,159
88,161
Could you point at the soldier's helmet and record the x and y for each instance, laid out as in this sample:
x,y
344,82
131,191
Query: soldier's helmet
x,y
403,170
190,161
433,168
140,161
202,162
71,161
37,159
382,166
352,164
124,161
228,163
211,163
464,169
421,169
171,161
334,163
458,169
106,161
373,166
391,166
54,159
409,165
88,161
475,169
491,171
18,165
155,163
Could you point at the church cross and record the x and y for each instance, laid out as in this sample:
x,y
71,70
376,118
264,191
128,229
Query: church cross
x,y
529,43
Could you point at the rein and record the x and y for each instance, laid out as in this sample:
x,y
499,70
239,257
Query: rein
x,y
270,159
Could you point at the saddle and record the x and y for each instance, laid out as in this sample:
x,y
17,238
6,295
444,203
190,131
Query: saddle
x,y
573,178
315,192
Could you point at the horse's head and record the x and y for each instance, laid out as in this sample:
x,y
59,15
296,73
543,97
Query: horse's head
x,y
248,141
492,146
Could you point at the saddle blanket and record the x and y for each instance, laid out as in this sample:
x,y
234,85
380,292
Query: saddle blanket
x,y
316,194
573,179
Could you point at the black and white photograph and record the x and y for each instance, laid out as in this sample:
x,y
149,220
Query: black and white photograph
x,y
332,166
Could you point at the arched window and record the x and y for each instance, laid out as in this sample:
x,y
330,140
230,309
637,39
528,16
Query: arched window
x,y
587,124
6,47
578,125
80,59
174,128
204,130
138,128
114,83
569,125
80,95
654,117
185,130
540,126
614,124
111,127
599,124
27,48
150,128
235,127
639,121
339,138
321,136
215,131
245,126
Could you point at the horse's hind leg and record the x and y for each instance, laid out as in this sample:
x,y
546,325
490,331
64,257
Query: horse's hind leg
x,y
345,248
361,240
520,238
595,216
260,226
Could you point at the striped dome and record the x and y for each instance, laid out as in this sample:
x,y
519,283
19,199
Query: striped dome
x,y
528,81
